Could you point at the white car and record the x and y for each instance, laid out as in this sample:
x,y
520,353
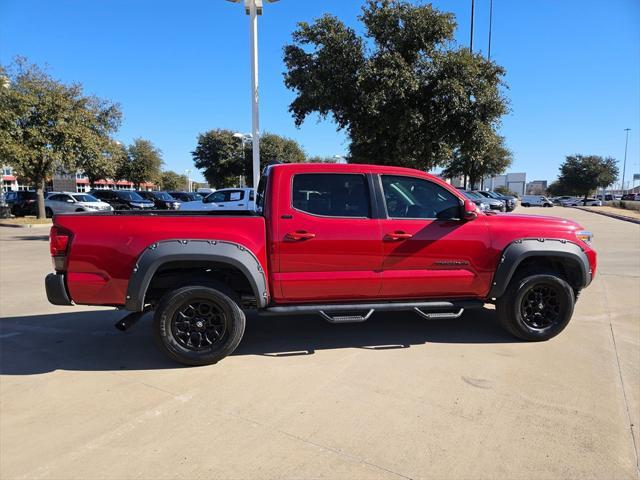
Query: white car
x,y
577,202
69,202
535,201
229,199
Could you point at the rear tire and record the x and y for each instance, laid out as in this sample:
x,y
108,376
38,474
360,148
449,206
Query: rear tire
x,y
536,306
197,325
48,212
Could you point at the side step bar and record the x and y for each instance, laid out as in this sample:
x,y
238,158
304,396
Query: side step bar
x,y
340,313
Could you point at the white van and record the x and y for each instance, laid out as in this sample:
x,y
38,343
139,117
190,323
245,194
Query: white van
x,y
535,201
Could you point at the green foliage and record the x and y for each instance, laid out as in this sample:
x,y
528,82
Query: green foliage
x,y
172,181
224,158
104,164
557,189
483,154
319,159
405,94
142,163
47,126
582,174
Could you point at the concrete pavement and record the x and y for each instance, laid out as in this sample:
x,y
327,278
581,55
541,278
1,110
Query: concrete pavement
x,y
396,397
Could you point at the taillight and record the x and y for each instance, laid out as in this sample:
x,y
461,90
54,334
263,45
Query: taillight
x,y
59,241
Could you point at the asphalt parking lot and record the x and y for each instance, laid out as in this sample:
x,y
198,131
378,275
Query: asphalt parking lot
x,y
395,397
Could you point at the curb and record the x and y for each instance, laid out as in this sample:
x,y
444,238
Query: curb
x,y
611,215
26,225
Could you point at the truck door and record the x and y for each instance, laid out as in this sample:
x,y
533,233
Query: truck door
x,y
429,250
327,240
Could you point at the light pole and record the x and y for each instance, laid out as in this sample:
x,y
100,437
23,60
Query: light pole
x,y
244,138
490,26
253,8
624,165
187,173
473,9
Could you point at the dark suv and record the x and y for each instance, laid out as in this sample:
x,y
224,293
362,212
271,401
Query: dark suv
x,y
162,200
123,199
186,196
22,203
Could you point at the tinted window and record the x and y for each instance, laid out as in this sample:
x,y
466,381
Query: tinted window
x,y
410,197
218,197
132,196
329,194
225,196
58,198
162,196
85,198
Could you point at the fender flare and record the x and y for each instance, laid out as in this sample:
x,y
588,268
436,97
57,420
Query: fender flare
x,y
160,253
519,250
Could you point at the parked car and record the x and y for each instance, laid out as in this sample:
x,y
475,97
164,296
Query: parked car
x,y
631,197
559,200
535,201
22,202
494,203
161,200
5,209
123,199
185,196
225,199
479,200
338,240
68,202
510,202
578,201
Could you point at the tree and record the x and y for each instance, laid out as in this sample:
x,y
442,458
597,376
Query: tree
x,y
483,155
172,181
224,158
582,174
404,93
47,126
320,159
104,164
142,163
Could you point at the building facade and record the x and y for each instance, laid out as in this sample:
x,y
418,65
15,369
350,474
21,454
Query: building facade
x,y
515,182
537,187
77,182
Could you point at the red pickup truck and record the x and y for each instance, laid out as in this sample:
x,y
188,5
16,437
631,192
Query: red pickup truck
x,y
341,241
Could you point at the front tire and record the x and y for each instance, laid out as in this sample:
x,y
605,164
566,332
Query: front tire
x,y
198,325
536,307
48,212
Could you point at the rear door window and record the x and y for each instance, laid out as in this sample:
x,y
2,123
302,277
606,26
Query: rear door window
x,y
331,194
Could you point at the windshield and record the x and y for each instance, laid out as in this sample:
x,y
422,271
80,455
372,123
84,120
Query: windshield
x,y
493,195
163,196
85,198
133,196
471,195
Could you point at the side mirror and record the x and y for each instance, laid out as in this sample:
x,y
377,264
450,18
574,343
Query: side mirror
x,y
470,210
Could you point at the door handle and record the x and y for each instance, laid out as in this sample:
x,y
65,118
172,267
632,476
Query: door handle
x,y
395,236
299,235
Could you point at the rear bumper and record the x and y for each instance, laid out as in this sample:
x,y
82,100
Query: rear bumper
x,y
56,289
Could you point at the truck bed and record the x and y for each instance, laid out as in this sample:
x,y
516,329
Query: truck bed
x,y
105,246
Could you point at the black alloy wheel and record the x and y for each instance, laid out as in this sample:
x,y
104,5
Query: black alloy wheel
x,y
540,306
536,306
199,324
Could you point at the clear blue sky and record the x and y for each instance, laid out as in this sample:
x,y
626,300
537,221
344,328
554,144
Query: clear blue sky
x,y
179,68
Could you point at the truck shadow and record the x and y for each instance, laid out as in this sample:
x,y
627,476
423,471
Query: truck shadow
x,y
87,341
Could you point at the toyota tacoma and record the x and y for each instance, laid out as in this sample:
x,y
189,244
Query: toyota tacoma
x,y
341,241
